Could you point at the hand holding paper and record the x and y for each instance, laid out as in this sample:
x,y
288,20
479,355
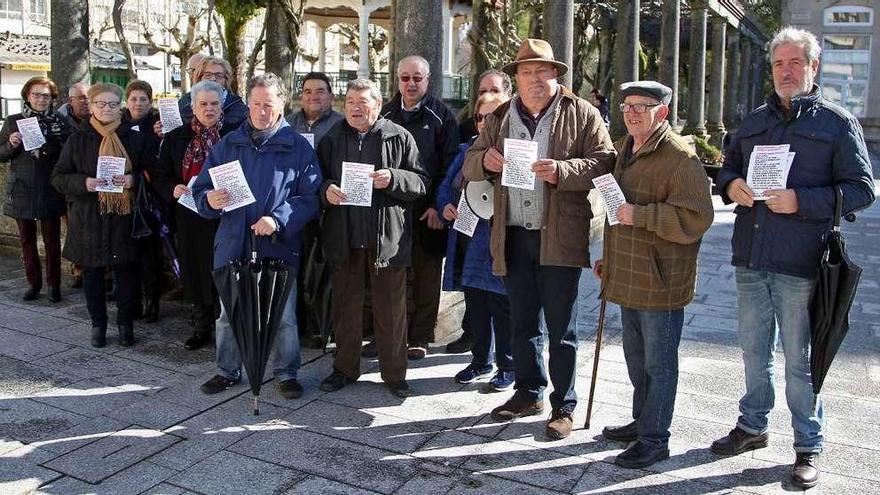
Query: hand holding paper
x,y
768,169
31,135
519,155
357,183
612,195
230,177
169,114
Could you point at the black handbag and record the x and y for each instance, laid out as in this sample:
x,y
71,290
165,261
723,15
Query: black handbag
x,y
140,212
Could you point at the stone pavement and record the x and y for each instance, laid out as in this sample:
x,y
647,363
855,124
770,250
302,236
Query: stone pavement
x,y
78,420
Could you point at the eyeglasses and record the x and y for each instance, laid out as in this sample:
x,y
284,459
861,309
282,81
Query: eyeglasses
x,y
190,70
213,75
479,117
41,96
637,107
415,79
102,104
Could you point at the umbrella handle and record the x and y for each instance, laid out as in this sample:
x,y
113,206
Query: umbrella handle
x,y
253,238
595,363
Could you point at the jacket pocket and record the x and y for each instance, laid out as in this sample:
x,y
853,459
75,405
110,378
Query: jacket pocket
x,y
573,215
657,266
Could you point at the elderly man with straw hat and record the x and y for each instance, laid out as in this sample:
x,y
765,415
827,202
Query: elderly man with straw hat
x,y
540,229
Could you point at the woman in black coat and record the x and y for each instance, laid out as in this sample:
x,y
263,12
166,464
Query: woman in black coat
x,y
140,116
182,155
99,231
29,195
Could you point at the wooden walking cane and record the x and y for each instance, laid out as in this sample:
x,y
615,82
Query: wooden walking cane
x,y
595,362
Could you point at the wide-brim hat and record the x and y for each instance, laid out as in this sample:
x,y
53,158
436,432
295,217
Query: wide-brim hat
x,y
535,50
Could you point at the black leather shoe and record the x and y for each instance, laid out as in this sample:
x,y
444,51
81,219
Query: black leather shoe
x,y
335,381
400,389
461,345
151,311
55,294
626,433
641,455
31,294
290,389
738,441
99,336
805,472
198,340
217,384
126,335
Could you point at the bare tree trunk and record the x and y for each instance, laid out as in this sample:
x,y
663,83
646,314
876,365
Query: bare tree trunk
x,y
417,32
279,59
120,35
70,58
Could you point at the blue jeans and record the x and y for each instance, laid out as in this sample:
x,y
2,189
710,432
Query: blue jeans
x,y
650,346
765,300
532,287
286,357
489,316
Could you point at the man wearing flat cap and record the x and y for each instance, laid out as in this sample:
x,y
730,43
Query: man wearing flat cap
x,y
540,236
649,264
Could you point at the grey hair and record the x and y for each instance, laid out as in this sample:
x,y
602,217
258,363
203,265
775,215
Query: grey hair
x,y
201,87
793,36
415,58
506,84
365,84
268,80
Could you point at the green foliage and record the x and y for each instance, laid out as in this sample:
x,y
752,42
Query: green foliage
x,y
239,10
707,153
769,12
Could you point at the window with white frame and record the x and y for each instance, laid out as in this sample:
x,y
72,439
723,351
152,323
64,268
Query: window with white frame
x,y
10,9
37,11
846,59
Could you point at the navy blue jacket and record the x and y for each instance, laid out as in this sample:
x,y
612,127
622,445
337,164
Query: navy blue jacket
x,y
476,261
283,176
830,151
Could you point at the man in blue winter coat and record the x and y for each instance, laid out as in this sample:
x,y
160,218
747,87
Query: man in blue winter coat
x,y
282,172
777,243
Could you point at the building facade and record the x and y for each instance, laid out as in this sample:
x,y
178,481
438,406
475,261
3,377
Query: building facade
x,y
849,72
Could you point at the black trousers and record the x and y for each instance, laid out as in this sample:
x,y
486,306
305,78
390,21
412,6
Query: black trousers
x,y
531,288
127,281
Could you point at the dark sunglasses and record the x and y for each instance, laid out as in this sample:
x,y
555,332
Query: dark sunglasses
x,y
479,117
415,79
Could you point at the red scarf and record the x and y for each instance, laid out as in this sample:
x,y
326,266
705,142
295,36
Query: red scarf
x,y
197,149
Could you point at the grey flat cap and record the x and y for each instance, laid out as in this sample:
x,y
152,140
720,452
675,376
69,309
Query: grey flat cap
x,y
651,89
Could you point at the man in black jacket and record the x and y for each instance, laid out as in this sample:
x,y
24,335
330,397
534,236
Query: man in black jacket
x,y
435,130
374,239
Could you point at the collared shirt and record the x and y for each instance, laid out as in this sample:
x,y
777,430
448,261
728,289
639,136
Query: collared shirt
x,y
414,108
531,122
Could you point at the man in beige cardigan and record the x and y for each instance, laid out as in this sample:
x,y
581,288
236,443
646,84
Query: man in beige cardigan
x,y
650,262
540,235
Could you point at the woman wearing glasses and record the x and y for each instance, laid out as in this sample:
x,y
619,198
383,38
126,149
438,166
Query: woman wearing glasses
x,y
30,198
469,269
99,233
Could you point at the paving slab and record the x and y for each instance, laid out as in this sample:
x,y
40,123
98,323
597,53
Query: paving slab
x,y
228,472
21,472
27,347
314,484
27,421
144,477
23,379
339,460
90,398
92,430
100,460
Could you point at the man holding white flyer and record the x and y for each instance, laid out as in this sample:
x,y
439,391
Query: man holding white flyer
x,y
778,241
372,177
554,143
260,179
656,219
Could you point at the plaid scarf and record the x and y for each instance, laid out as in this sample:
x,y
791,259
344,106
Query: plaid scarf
x,y
197,150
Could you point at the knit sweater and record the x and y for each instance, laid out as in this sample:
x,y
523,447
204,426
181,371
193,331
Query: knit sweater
x,y
652,264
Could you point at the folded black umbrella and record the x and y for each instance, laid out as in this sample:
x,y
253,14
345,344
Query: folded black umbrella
x,y
253,292
831,300
316,290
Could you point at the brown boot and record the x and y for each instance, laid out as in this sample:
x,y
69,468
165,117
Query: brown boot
x,y
517,408
559,425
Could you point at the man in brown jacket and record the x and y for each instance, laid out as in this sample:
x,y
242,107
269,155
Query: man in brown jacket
x,y
650,262
540,236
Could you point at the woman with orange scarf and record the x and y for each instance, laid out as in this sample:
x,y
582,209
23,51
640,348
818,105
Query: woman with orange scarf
x,y
99,233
